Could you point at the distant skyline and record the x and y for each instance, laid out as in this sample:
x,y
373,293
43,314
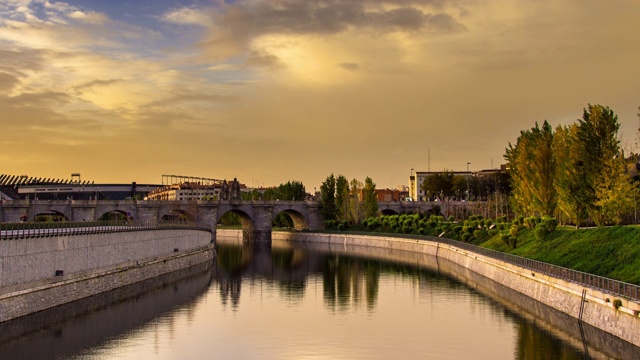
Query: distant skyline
x,y
275,90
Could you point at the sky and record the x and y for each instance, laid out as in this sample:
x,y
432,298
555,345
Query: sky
x,y
275,90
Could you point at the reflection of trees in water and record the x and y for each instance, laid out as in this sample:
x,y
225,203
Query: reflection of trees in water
x,y
230,290
537,344
350,281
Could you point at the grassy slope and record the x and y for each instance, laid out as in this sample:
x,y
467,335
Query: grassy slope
x,y
613,252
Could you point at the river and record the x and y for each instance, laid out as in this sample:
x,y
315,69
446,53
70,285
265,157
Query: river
x,y
294,302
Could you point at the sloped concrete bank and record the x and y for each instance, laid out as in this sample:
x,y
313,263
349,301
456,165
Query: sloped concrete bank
x,y
39,274
564,296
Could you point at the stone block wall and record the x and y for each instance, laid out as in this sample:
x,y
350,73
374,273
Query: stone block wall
x,y
25,261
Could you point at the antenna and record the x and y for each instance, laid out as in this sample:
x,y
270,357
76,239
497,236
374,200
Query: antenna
x,y
428,159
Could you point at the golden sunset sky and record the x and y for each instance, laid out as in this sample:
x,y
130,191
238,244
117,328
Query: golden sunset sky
x,y
278,90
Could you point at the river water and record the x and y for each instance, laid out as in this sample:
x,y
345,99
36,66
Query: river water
x,y
293,302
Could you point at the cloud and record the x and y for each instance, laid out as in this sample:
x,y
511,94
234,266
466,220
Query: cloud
x,y
237,25
187,16
350,66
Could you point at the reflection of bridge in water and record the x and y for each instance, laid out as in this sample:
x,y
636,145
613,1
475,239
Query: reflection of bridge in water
x,y
256,217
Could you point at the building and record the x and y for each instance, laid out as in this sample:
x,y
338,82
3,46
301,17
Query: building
x,y
202,189
386,195
14,187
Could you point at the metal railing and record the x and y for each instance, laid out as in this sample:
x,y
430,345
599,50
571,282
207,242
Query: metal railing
x,y
12,231
606,285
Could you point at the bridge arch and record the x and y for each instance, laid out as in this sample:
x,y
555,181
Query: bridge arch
x,y
177,216
388,212
300,221
49,216
245,219
114,215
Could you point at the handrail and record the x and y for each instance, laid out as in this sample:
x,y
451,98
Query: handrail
x,y
11,231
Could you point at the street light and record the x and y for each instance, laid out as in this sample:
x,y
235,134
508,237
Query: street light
x,y
468,180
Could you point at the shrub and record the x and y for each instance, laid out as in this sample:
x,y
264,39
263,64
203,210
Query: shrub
x,y
342,226
541,232
494,232
514,230
549,223
330,224
465,237
513,241
617,303
478,234
501,219
452,218
505,238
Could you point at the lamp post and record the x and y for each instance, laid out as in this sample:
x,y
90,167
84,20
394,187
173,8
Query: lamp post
x,y
468,180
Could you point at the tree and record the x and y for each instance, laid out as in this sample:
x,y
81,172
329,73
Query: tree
x,y
370,198
532,169
342,198
570,175
356,200
327,197
438,185
597,136
613,191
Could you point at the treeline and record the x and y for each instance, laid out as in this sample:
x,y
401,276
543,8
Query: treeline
x,y
574,173
449,186
347,202
292,190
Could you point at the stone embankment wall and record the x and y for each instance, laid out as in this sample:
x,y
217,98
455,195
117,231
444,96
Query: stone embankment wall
x,y
565,296
40,273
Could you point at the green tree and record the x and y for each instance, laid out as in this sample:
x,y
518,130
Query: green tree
x,y
597,135
614,191
439,185
570,175
532,169
355,194
342,198
327,197
370,198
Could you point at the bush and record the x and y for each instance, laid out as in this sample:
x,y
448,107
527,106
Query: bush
x,y
505,238
342,226
541,232
452,218
514,230
617,303
330,224
549,223
513,241
465,237
479,234
494,232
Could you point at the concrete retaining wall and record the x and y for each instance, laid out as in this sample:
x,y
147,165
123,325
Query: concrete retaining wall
x,y
561,295
91,264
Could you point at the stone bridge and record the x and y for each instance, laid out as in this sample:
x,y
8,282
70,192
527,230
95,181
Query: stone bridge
x,y
256,216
